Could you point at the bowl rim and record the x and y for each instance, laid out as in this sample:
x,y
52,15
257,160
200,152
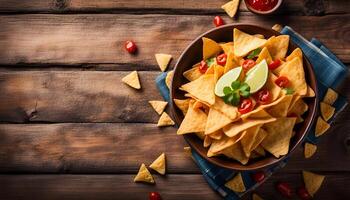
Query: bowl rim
x,y
242,167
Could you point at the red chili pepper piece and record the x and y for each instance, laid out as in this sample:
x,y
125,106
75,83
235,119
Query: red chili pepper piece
x,y
303,194
154,196
259,176
218,21
246,106
274,64
221,59
282,81
203,67
285,189
248,64
130,46
264,97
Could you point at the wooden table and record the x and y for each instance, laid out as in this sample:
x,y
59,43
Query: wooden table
x,y
71,130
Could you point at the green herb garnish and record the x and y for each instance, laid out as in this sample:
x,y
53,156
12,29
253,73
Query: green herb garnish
x,y
288,90
210,61
254,53
234,93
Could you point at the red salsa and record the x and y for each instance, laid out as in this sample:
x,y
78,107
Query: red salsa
x,y
262,5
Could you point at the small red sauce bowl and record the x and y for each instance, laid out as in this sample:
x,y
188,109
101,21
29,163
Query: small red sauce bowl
x,y
253,10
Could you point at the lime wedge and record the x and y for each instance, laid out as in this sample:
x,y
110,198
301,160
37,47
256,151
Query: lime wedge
x,y
257,76
226,80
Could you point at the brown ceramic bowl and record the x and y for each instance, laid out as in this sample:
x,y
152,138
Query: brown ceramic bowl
x,y
273,10
193,54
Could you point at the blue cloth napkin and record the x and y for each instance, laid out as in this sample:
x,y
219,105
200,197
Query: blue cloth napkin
x,y
330,73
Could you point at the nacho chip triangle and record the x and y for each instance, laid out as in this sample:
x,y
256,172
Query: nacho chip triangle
x,y
310,92
272,87
165,120
264,55
207,141
210,48
278,46
309,150
259,36
192,74
298,106
228,110
297,53
230,62
321,127
231,7
279,134
330,97
182,104
236,152
327,111
163,60
277,27
241,125
201,135
219,145
168,78
132,80
217,135
295,72
260,114
194,121
260,150
158,106
258,109
227,47
144,175
218,72
236,183
245,43
249,138
159,164
216,120
280,109
312,182
202,88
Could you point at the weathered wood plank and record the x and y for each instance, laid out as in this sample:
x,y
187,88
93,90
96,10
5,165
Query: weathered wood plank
x,y
85,40
121,148
70,187
160,6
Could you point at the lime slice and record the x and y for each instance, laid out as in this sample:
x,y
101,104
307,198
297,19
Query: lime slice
x,y
226,80
257,76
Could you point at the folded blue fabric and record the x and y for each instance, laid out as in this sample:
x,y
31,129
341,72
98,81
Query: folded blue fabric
x,y
330,73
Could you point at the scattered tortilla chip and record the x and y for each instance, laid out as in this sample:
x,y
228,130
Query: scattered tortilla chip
x,y
327,111
168,78
309,150
330,97
321,127
236,152
144,175
163,60
249,139
165,120
158,106
236,183
192,74
281,109
245,43
259,36
194,121
312,182
278,46
228,110
295,72
210,48
241,125
231,7
227,47
297,53
279,134
216,121
264,55
132,80
202,88
277,27
207,141
159,164
182,104
256,197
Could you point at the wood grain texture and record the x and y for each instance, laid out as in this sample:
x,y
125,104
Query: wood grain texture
x,y
87,40
171,187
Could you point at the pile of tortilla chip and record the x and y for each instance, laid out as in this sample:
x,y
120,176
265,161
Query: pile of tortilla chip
x,y
267,128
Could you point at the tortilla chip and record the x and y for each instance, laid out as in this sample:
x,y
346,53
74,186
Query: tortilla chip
x,y
182,104
236,152
259,36
163,60
241,125
295,72
259,149
219,145
236,183
280,109
250,139
264,55
192,74
312,182
226,109
207,141
194,121
279,134
310,92
309,150
321,127
231,7
299,107
297,53
165,120
159,164
132,80
218,72
217,135
275,91
202,88
330,97
245,43
210,48
201,135
230,62
327,111
260,114
278,46
227,47
216,121
158,106
277,27
168,78
144,175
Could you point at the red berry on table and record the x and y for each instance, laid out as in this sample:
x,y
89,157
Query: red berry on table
x,y
274,64
282,81
221,59
248,64
259,176
263,96
130,46
203,67
303,194
154,196
218,21
246,106
285,189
